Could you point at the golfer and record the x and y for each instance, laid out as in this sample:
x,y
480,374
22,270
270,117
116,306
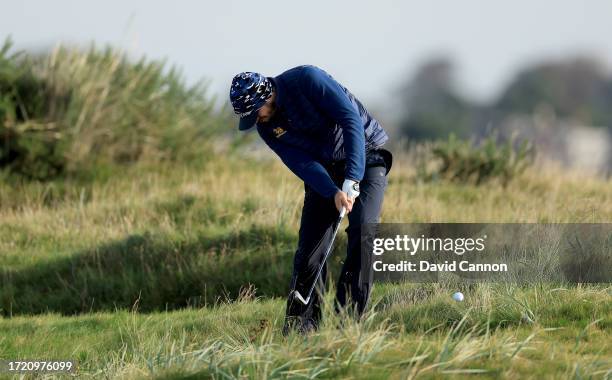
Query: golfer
x,y
326,137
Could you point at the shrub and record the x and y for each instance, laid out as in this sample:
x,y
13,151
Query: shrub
x,y
462,161
67,110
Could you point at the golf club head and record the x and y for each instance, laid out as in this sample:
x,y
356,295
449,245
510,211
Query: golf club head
x,y
297,295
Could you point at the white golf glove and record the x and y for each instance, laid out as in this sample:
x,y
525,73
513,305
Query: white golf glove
x,y
351,188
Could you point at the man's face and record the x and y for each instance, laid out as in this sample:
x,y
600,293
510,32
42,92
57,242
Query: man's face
x,y
265,113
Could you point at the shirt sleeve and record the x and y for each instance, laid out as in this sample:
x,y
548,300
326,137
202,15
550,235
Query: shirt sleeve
x,y
328,95
303,166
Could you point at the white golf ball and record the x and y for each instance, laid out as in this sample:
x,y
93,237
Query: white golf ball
x,y
458,296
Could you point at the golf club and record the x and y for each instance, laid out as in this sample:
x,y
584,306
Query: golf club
x,y
296,293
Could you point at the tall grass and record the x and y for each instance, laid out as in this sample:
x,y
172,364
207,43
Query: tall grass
x,y
71,111
243,340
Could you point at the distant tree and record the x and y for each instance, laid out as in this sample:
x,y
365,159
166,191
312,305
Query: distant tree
x,y
578,88
432,106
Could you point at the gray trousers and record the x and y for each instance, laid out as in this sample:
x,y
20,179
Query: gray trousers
x,y
319,217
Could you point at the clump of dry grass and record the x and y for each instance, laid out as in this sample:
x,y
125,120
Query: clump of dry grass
x,y
73,111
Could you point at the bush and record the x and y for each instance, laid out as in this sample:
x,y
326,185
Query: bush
x,y
461,161
27,146
66,111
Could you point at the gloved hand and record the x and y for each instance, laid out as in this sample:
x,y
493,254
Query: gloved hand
x,y
351,188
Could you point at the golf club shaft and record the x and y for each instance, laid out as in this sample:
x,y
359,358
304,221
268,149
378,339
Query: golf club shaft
x,y
329,248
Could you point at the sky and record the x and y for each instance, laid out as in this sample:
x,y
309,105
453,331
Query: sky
x,y
369,46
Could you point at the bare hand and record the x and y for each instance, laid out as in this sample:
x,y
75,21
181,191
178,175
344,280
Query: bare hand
x,y
342,200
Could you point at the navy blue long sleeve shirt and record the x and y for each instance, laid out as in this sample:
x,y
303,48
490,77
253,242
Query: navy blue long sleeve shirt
x,y
318,121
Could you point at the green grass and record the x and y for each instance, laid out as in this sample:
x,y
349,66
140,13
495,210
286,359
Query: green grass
x,y
410,332
175,272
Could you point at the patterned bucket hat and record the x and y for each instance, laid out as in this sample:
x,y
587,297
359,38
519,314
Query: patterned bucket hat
x,y
248,93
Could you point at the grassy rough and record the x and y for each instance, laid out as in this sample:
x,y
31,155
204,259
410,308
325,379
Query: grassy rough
x,y
149,258
242,339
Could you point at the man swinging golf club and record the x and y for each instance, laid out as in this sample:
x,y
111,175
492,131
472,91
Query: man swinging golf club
x,y
326,137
